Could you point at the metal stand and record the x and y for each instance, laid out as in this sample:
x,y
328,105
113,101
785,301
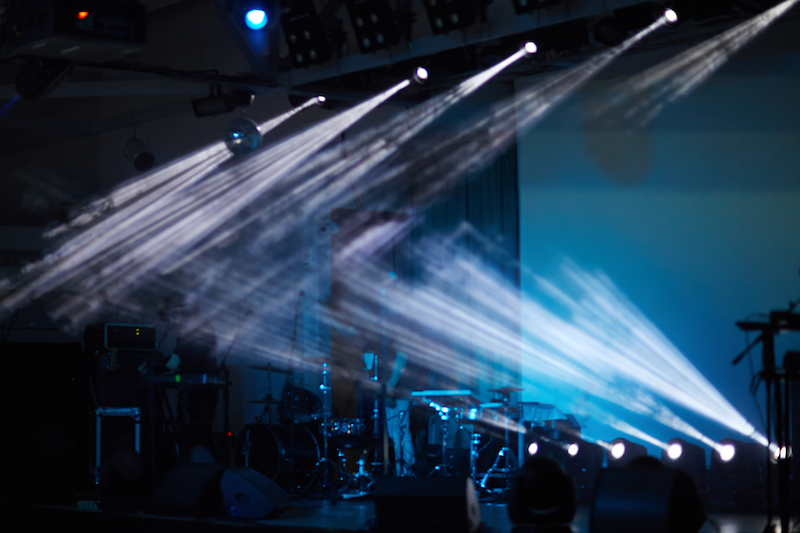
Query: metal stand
x,y
505,464
779,321
359,483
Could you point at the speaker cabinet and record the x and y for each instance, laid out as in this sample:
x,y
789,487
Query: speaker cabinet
x,y
213,490
404,504
656,500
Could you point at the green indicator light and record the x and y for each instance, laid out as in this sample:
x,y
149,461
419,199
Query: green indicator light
x,y
177,378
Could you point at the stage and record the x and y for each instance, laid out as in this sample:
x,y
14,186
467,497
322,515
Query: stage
x,y
305,516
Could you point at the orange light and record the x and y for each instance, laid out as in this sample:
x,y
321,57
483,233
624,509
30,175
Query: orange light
x,y
83,14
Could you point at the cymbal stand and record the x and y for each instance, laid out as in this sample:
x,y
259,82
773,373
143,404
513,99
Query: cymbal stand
x,y
474,443
359,483
505,456
444,417
327,407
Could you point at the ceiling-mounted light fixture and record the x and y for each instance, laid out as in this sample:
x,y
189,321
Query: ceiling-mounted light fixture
x,y
530,48
671,16
305,33
136,150
527,6
218,103
445,17
373,23
421,75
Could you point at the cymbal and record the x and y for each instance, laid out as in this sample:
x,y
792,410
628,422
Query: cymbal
x,y
269,368
318,360
269,401
506,390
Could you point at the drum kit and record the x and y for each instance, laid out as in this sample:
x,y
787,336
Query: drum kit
x,y
304,450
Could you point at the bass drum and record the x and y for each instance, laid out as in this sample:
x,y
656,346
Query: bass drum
x,y
299,405
289,460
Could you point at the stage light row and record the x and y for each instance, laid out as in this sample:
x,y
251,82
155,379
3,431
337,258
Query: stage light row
x,y
243,136
621,451
733,479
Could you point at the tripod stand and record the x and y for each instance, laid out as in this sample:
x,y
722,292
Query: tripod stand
x,y
505,463
775,382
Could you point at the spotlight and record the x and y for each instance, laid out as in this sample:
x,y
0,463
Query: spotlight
x,y
573,449
618,450
583,462
726,453
781,453
533,448
674,451
671,16
321,100
530,48
137,151
688,457
256,19
421,75
736,476
623,451
541,493
242,136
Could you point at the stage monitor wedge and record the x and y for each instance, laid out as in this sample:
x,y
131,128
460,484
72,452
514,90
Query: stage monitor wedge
x,y
638,499
431,505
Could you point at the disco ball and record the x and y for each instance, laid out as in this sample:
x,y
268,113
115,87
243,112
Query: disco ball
x,y
242,136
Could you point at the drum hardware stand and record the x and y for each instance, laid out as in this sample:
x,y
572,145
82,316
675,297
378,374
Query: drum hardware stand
x,y
474,442
359,483
376,464
779,321
226,392
444,417
327,400
290,384
506,455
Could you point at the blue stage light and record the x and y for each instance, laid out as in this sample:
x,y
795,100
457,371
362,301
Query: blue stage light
x,y
256,19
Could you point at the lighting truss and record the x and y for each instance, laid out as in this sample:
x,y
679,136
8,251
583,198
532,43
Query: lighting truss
x,y
374,24
448,15
526,6
305,34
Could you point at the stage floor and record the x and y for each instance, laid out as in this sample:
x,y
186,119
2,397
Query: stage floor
x,y
305,516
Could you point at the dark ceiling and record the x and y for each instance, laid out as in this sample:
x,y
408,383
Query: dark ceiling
x,y
60,150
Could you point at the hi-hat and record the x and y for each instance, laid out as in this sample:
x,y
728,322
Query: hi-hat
x,y
269,368
268,400
506,390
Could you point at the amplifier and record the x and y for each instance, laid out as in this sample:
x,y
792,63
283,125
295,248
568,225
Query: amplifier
x,y
130,337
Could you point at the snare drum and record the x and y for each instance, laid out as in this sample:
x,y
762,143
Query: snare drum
x,y
348,426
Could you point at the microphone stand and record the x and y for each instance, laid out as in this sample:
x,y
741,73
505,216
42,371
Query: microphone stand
x,y
778,321
226,392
